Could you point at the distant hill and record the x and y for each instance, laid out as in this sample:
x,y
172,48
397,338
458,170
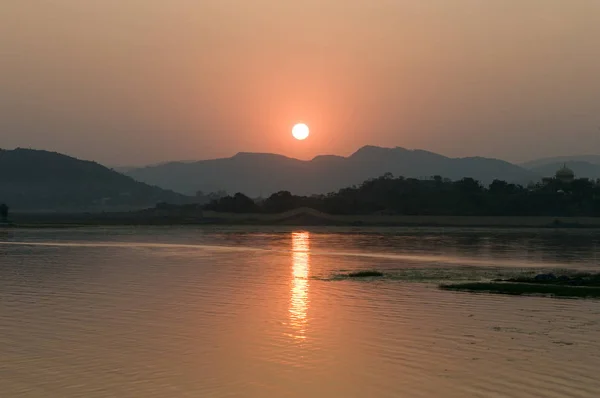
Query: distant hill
x,y
593,159
41,180
580,168
260,174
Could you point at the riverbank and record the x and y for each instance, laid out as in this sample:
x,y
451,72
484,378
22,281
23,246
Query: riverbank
x,y
299,217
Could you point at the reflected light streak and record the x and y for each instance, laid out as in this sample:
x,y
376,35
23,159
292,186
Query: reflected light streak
x,y
299,287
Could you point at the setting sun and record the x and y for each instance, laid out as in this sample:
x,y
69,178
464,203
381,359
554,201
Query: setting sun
x,y
300,131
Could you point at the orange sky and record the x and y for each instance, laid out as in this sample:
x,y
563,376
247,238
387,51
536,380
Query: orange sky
x,y
140,81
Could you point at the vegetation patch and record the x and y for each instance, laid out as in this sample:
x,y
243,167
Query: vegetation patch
x,y
566,279
575,285
365,274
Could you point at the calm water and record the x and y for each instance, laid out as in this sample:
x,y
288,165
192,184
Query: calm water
x,y
187,312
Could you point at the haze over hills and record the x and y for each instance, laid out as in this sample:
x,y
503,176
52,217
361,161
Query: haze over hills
x,y
126,169
260,174
42,180
584,166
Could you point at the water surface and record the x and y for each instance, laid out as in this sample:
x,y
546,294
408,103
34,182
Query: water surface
x,y
266,312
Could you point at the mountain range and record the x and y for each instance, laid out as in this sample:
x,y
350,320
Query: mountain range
x,y
260,174
42,180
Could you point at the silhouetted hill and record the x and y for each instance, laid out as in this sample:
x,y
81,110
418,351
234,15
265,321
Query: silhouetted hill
x,y
580,168
593,159
259,174
41,180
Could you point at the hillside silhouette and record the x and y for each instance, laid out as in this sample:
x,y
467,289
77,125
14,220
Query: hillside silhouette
x,y
42,180
261,174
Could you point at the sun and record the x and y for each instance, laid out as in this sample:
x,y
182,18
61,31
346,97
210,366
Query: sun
x,y
300,131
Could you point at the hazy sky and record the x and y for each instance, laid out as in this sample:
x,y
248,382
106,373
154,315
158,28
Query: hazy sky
x,y
140,81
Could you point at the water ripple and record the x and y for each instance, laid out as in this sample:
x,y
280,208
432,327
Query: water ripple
x,y
187,313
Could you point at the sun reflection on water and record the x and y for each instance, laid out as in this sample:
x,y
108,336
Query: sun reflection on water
x,y
299,286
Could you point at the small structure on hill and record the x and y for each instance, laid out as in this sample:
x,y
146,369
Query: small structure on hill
x,y
564,175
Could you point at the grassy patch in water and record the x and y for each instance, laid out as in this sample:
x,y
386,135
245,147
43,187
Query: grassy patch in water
x,y
520,288
566,279
365,274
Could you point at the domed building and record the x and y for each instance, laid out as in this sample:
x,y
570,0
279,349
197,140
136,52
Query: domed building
x,y
565,175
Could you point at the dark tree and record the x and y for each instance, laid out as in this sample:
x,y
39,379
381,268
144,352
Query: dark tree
x,y
498,187
238,203
4,212
280,202
469,185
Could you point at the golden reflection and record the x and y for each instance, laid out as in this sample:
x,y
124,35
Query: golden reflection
x,y
299,286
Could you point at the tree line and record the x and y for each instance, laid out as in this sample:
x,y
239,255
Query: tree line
x,y
436,196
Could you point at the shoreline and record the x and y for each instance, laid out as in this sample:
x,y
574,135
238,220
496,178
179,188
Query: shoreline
x,y
298,217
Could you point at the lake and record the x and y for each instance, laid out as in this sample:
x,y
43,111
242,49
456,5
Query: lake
x,y
268,312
